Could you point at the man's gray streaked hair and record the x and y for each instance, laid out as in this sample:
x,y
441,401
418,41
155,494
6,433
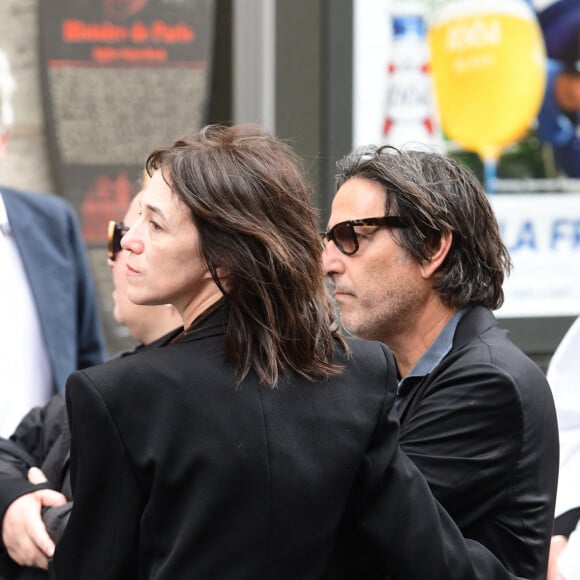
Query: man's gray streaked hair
x,y
438,195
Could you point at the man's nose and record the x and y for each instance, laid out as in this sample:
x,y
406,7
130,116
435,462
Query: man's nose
x,y
332,262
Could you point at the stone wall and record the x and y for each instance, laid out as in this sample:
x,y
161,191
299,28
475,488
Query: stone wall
x,y
27,164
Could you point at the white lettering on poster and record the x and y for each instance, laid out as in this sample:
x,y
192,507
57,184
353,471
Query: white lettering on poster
x,y
542,233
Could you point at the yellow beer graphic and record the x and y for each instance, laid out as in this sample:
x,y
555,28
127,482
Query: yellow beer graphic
x,y
488,65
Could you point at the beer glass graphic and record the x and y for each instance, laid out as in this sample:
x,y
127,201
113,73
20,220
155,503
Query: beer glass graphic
x,y
489,71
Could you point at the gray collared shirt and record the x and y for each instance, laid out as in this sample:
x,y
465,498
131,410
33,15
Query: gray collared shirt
x,y
432,357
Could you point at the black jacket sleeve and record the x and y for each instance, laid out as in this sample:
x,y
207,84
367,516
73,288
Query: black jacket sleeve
x,y
566,523
36,442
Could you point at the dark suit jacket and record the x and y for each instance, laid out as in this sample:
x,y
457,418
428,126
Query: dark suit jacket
x,y
178,472
52,250
482,429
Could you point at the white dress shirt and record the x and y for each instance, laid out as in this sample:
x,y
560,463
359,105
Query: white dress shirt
x,y
25,374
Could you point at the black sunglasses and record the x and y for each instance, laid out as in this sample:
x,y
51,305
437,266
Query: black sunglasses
x,y
114,234
346,238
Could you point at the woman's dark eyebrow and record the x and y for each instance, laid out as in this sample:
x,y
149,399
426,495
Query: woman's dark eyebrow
x,y
155,210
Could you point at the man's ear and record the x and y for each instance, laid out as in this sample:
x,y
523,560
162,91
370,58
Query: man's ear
x,y
438,255
3,142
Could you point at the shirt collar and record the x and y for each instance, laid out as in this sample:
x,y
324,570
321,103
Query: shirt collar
x,y
439,349
4,224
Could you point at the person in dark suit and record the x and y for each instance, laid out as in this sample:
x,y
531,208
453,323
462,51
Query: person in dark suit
x,y
48,304
257,443
477,415
34,466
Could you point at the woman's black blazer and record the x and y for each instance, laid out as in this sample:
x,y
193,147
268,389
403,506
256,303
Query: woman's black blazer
x,y
180,473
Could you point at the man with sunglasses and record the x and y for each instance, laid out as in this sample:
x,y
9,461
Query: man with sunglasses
x,y
415,258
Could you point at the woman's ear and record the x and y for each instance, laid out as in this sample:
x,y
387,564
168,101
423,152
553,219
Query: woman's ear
x,y
220,273
438,255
